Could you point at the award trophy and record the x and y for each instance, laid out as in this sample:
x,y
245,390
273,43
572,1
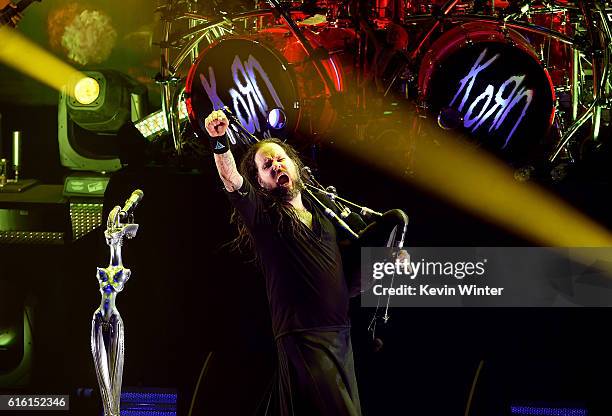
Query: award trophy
x,y
107,327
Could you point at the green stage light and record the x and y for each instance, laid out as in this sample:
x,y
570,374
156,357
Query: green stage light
x,y
7,337
91,111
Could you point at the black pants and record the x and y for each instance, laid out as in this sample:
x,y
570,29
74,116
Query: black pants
x,y
315,376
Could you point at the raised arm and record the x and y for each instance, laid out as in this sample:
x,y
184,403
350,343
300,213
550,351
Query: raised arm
x,y
216,126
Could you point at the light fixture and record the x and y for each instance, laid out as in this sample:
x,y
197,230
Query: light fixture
x,y
91,111
86,90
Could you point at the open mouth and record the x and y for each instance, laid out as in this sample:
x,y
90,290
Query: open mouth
x,y
282,179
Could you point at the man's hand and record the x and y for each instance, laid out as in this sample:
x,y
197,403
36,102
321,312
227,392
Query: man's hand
x,y
403,256
216,123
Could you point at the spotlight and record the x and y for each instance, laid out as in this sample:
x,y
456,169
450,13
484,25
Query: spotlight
x,y
91,112
86,90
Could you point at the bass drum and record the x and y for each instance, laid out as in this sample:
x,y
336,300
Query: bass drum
x,y
252,75
488,83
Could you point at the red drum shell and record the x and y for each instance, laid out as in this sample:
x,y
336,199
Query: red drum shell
x,y
556,54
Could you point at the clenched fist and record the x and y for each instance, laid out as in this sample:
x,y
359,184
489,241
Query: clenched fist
x,y
216,123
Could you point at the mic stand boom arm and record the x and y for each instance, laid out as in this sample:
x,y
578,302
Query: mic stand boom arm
x,y
333,216
365,211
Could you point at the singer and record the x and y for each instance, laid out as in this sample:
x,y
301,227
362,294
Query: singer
x,y
308,294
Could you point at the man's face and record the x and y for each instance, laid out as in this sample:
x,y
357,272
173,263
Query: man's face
x,y
276,172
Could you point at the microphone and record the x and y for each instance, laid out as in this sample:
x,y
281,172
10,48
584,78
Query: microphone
x,y
131,203
341,223
333,216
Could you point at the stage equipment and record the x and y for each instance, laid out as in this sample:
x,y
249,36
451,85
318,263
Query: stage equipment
x,y
107,338
397,219
90,113
39,215
251,76
571,42
15,184
309,72
277,119
155,125
15,336
493,79
527,80
537,409
148,402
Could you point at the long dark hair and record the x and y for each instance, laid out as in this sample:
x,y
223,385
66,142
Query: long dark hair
x,y
276,206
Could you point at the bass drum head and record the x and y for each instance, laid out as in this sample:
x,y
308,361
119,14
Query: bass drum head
x,y
495,92
247,77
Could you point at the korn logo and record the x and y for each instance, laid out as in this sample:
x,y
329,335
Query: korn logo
x,y
248,102
494,105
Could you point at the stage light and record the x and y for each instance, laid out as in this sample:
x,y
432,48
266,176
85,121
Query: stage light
x,y
15,336
91,111
538,410
86,90
148,402
27,57
155,125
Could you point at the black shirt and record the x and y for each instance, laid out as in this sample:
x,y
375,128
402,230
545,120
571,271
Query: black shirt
x,y
304,277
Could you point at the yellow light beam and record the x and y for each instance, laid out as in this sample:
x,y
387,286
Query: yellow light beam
x,y
25,56
485,186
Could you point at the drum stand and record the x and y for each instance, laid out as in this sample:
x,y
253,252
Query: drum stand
x,y
600,43
107,336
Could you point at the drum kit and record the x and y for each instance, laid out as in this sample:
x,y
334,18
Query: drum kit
x,y
528,80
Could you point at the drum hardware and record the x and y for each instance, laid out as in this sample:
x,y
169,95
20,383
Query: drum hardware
x,y
546,25
559,121
560,171
525,173
574,77
449,118
277,118
444,11
572,130
305,43
599,40
211,31
499,88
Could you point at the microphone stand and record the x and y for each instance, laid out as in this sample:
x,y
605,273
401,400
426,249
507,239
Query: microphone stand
x,y
363,210
393,241
333,216
107,336
338,201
